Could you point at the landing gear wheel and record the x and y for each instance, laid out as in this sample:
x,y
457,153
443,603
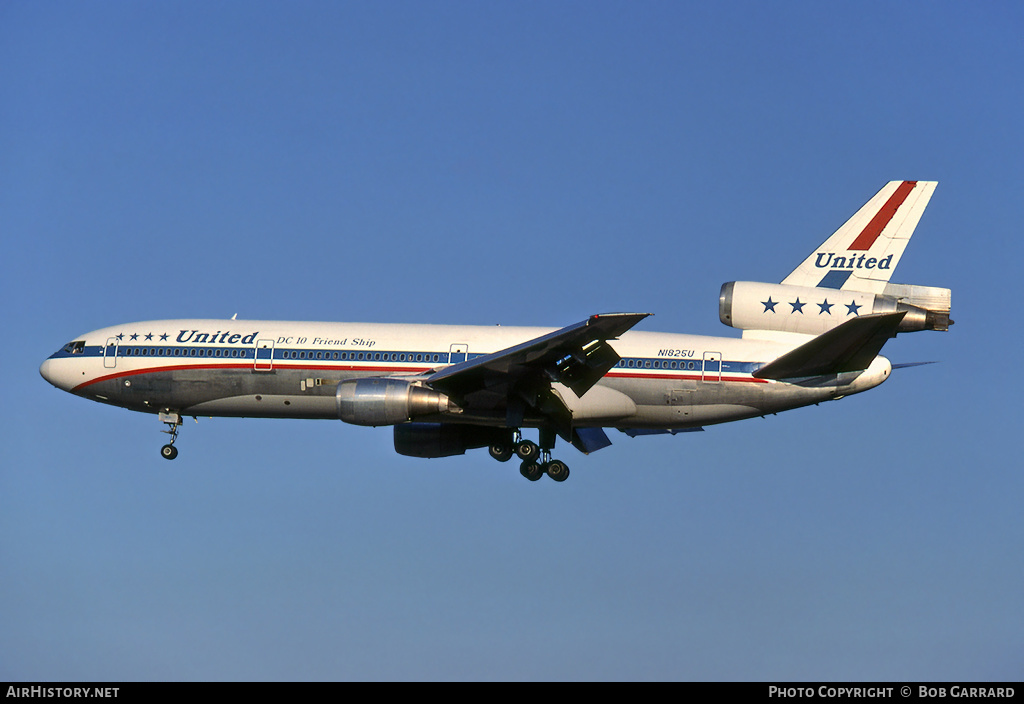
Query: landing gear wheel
x,y
501,452
557,470
531,470
527,450
173,422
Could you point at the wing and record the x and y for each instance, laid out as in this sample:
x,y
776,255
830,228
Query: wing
x,y
850,347
519,379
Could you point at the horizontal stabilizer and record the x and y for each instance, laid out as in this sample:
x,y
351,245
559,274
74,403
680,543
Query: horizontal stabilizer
x,y
848,348
907,365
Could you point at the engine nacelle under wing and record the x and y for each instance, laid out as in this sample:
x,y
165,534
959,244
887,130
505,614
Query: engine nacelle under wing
x,y
388,401
445,439
750,305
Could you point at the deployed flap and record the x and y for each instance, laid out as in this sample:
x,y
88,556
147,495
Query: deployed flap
x,y
848,348
588,440
576,356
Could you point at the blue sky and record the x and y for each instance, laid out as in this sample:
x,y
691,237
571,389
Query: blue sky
x,y
517,163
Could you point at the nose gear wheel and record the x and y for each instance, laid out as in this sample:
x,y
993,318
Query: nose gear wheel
x,y
173,422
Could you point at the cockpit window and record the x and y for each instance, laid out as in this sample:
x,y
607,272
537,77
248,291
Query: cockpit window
x,y
76,347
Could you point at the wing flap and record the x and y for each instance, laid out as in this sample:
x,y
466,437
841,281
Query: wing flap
x,y
850,347
588,440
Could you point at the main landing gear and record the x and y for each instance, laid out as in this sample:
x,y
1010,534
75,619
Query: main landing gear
x,y
173,422
536,459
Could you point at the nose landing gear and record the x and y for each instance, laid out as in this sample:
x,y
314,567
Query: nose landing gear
x,y
173,422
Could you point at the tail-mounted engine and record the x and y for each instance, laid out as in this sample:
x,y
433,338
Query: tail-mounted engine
x,y
749,305
387,401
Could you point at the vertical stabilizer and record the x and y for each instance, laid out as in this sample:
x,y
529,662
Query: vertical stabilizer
x,y
863,253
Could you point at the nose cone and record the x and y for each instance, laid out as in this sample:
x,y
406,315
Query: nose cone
x,y
56,372
46,370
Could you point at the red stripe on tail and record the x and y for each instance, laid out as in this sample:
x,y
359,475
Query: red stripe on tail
x,y
867,238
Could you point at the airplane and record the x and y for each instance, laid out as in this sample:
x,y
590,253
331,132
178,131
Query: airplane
x,y
445,389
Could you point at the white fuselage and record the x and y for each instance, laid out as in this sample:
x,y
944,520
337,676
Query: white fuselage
x,y
292,370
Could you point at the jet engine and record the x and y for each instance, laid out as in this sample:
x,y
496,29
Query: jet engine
x,y
387,401
749,305
445,439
